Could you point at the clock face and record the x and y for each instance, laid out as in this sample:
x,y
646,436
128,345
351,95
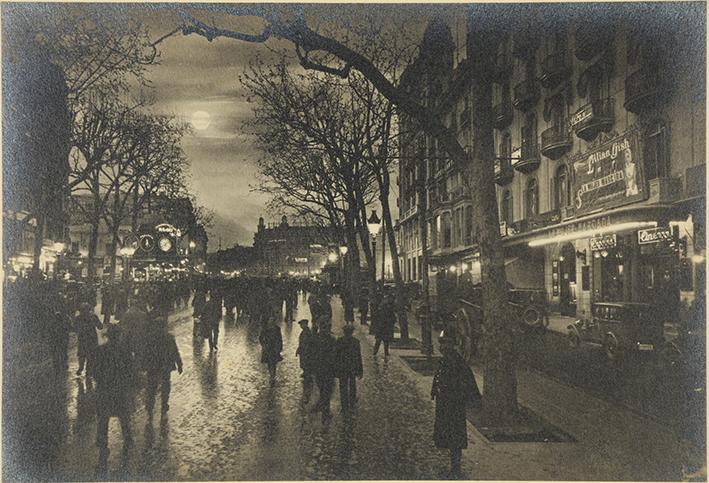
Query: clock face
x,y
165,244
147,243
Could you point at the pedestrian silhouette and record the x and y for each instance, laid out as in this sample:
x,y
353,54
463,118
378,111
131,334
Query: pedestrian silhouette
x,y
349,367
163,358
453,387
113,373
271,347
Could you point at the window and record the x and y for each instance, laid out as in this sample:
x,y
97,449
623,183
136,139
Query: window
x,y
531,199
506,207
656,153
529,136
562,196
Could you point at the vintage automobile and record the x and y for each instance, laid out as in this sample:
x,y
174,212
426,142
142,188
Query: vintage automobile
x,y
620,328
528,307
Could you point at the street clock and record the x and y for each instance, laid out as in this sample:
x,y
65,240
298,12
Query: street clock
x,y
165,244
147,243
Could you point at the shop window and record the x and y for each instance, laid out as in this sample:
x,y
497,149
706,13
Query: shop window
x,y
562,196
531,199
656,151
506,207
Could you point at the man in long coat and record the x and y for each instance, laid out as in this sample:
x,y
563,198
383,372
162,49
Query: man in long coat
x,y
271,347
113,367
325,360
349,365
305,351
384,326
453,387
160,361
86,325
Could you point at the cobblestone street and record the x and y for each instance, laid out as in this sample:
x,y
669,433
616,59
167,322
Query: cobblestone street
x,y
226,423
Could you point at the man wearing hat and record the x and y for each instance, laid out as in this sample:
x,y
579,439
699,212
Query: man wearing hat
x,y
349,365
305,353
453,386
112,373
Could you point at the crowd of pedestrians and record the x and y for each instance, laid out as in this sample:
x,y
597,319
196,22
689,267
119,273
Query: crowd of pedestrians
x,y
139,345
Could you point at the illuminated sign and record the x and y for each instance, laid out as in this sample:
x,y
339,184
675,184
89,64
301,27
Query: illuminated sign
x,y
165,228
582,115
603,242
654,235
609,175
301,260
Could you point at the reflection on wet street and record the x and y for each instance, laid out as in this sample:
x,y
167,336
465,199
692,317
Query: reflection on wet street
x,y
225,421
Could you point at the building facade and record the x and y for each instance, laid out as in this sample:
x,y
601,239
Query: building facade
x,y
599,129
285,249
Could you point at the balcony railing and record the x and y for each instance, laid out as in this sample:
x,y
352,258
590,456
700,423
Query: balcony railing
x,y
594,117
529,154
556,141
592,39
642,90
503,67
503,170
555,68
526,94
502,114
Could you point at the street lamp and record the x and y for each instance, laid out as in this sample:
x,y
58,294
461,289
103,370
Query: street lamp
x,y
374,224
343,250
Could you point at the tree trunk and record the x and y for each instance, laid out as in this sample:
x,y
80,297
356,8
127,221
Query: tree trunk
x,y
93,244
400,289
426,330
500,385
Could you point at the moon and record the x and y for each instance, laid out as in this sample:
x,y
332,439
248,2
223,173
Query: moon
x,y
201,120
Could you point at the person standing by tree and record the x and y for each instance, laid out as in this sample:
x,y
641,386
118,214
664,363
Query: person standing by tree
x,y
453,387
305,353
363,306
384,327
113,367
349,366
86,325
271,347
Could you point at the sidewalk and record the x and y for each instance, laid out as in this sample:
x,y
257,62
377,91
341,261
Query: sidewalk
x,y
611,443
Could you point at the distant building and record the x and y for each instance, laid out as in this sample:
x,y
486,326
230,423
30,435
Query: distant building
x,y
295,250
235,259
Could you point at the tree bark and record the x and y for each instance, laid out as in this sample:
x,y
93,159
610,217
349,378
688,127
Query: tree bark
x,y
93,244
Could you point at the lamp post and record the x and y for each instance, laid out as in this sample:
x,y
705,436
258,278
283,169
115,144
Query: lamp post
x,y
374,224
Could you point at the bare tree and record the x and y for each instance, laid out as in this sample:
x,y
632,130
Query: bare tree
x,y
327,54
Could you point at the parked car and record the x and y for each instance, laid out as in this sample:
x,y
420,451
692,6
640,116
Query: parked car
x,y
620,327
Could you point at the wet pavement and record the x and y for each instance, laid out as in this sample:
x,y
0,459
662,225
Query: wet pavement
x,y
225,421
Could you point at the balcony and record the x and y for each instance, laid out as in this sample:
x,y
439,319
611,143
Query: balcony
x,y
556,141
529,156
524,44
503,67
502,114
592,39
555,68
503,172
641,91
526,95
459,193
594,117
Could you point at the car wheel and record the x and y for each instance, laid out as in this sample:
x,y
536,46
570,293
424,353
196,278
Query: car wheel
x,y
573,339
611,347
531,316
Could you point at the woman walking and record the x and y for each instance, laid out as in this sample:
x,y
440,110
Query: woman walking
x,y
453,386
271,347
